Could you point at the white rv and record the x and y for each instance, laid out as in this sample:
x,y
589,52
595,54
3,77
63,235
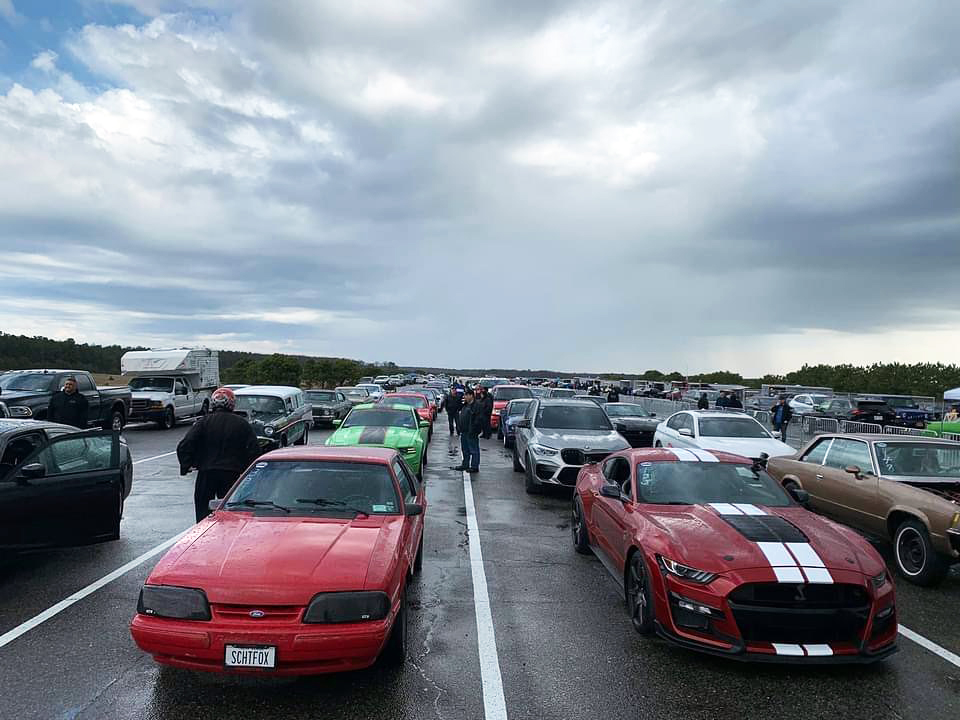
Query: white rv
x,y
170,385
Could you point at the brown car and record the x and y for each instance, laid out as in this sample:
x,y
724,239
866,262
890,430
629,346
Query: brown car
x,y
900,488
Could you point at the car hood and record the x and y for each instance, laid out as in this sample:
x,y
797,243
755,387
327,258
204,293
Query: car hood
x,y
747,447
594,439
238,558
323,404
374,435
150,395
12,397
636,422
703,538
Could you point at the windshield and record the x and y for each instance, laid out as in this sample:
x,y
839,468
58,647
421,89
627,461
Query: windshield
x,y
517,407
511,393
817,399
732,428
260,405
380,418
30,382
919,459
317,487
572,417
322,397
558,392
370,388
696,483
416,402
152,384
625,411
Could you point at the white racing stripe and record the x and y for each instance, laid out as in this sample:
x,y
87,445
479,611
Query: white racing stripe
x,y
684,455
726,509
25,627
494,705
748,509
704,455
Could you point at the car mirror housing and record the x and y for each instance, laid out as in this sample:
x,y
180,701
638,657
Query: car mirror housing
x,y
853,470
33,470
610,490
686,432
336,422
524,423
424,423
413,509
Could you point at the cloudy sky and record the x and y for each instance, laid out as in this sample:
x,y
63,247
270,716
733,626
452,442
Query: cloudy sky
x,y
486,183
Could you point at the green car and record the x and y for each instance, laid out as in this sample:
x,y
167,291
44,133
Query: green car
x,y
385,426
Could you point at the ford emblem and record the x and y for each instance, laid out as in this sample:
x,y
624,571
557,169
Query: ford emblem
x,y
257,613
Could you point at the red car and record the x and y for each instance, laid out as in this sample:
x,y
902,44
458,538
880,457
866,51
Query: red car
x,y
302,569
502,394
715,556
418,401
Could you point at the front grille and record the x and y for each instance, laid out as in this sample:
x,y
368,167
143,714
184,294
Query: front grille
x,y
139,404
568,476
271,613
575,456
638,438
800,613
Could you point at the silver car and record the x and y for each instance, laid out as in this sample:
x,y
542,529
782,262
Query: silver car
x,y
557,437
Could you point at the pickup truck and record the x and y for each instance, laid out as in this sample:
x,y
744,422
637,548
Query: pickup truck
x,y
165,399
27,394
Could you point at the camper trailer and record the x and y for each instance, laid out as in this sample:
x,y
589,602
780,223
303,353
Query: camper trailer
x,y
170,385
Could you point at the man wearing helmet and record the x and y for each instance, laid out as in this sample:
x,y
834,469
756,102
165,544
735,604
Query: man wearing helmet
x,y
220,446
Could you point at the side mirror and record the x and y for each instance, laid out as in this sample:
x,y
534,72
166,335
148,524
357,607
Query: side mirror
x,y
413,509
337,422
424,423
33,470
799,494
524,423
215,503
853,470
609,490
686,432
653,414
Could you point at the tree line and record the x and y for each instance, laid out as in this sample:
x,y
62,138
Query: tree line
x,y
21,352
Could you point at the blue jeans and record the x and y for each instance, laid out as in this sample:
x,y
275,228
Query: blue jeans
x,y
470,447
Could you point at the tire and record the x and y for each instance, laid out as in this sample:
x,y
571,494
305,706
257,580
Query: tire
x,y
658,444
517,467
418,560
423,460
169,419
638,595
305,438
581,536
395,651
916,558
116,422
530,483
499,432
205,410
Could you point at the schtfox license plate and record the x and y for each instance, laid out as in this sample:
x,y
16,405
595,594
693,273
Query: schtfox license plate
x,y
253,656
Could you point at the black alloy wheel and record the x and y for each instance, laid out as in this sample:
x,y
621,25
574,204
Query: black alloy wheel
x,y
517,467
395,651
205,410
578,526
917,559
531,484
639,598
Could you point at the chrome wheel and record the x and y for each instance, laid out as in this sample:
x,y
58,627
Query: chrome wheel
x,y
911,551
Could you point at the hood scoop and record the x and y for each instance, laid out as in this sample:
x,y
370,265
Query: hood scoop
x,y
373,436
765,528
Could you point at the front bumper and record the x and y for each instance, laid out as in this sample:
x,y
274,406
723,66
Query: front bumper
x,y
323,416
147,415
777,633
301,649
553,470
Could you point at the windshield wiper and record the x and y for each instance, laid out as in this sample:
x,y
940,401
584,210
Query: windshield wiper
x,y
324,502
258,503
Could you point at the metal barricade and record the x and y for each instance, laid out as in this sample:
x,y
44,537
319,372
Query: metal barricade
x,y
761,416
851,426
916,432
951,436
818,425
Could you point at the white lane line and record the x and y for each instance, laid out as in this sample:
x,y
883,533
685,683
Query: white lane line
x,y
930,645
155,457
25,627
494,706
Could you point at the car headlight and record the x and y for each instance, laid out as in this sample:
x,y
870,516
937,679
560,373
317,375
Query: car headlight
x,y
173,602
543,450
20,411
157,405
347,607
407,450
878,581
684,572
955,523
268,430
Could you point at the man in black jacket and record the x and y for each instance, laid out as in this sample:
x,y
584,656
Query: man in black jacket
x,y
220,446
453,403
780,415
613,395
471,424
486,410
68,406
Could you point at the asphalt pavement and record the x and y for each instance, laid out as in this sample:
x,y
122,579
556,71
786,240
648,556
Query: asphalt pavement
x,y
564,645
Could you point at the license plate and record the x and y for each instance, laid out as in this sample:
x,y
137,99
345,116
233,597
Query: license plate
x,y
253,656
878,417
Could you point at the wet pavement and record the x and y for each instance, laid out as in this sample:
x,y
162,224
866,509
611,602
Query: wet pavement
x,y
564,643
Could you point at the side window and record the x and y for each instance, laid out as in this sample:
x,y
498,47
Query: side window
x,y
288,402
531,411
84,383
341,397
77,454
845,452
179,388
408,483
687,422
818,452
18,449
676,422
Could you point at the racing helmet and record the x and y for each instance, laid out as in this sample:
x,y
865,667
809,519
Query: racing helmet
x,y
223,399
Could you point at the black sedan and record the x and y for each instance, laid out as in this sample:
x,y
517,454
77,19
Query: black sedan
x,y
633,422
60,485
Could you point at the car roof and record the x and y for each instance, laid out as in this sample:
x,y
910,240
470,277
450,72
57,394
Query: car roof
x,y
682,455
9,425
887,437
274,390
564,402
353,453
719,413
508,385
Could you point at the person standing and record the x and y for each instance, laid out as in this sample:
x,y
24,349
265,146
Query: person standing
x,y
780,415
220,445
68,406
613,396
453,403
724,400
486,410
471,425
704,402
733,402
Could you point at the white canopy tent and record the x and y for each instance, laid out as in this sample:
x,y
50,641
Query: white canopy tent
x,y
952,394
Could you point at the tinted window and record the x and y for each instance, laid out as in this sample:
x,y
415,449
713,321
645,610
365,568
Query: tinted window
x,y
572,417
380,417
510,393
18,449
319,487
844,453
731,427
147,384
817,452
517,407
26,381
695,483
408,482
559,392
84,383
76,454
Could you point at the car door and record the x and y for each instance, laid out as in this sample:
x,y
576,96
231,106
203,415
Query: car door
x,y
670,430
686,423
182,402
413,526
17,497
846,496
522,439
608,513
342,405
77,497
809,470
86,388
